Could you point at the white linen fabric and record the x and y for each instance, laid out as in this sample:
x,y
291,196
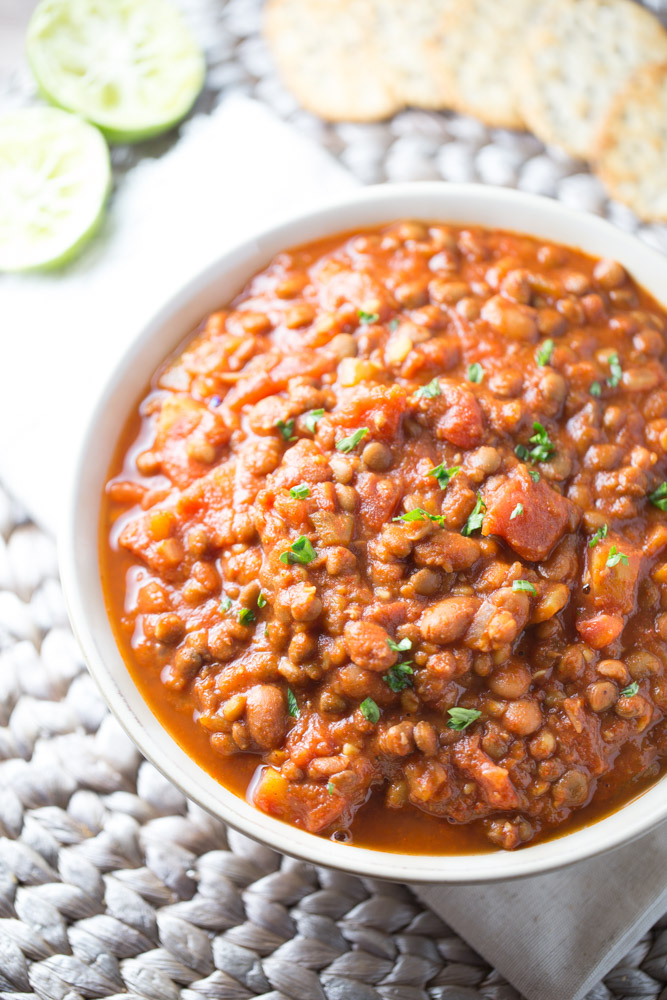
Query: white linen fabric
x,y
554,936
229,175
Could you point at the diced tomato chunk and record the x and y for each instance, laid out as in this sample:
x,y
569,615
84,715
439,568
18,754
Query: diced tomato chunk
x,y
531,517
614,587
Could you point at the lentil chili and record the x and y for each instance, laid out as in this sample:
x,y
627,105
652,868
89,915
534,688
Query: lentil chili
x,y
388,534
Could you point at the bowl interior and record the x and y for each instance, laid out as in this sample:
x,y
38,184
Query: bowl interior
x,y
78,544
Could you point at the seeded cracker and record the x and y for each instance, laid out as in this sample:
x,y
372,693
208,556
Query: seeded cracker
x,y
328,55
632,150
578,58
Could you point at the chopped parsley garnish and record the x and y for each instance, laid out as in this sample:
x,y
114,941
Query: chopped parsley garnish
x,y
393,324
534,475
615,557
366,317
659,497
300,492
598,536
261,600
543,448
616,371
524,586
292,705
517,512
348,443
595,389
475,372
286,428
400,647
246,616
399,676
443,475
330,788
475,520
300,551
369,710
225,603
631,690
312,418
430,390
419,514
461,718
544,352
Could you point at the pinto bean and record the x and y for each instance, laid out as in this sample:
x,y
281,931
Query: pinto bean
x,y
448,620
265,715
366,645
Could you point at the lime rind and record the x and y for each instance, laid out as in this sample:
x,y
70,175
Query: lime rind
x,y
131,67
55,178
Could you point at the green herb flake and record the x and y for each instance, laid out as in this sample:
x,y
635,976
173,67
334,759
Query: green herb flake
x,y
659,497
246,616
330,788
286,428
542,449
616,371
598,536
365,317
534,475
301,551
615,557
300,492
261,600
292,704
474,522
630,691
370,711
460,718
525,587
444,476
419,514
517,512
311,419
393,324
399,677
595,389
544,352
429,391
348,443
475,372
399,647
225,603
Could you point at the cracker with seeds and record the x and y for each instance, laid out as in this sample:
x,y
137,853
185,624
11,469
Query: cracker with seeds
x,y
578,56
417,47
487,38
327,54
631,155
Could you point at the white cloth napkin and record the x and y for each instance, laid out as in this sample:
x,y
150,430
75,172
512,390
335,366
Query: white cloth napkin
x,y
554,936
230,174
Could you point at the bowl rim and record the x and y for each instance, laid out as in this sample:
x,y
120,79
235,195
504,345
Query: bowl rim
x,y
78,553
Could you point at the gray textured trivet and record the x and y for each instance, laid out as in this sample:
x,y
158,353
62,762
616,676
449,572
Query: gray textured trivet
x,y
110,881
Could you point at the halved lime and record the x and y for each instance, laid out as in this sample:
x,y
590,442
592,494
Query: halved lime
x,y
55,176
131,67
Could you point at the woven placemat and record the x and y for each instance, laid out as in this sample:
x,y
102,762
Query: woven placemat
x,y
111,882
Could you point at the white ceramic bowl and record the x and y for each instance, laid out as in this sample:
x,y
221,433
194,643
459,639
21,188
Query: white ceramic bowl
x,y
493,207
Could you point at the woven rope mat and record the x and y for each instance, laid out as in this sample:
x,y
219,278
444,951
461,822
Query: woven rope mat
x,y
111,882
